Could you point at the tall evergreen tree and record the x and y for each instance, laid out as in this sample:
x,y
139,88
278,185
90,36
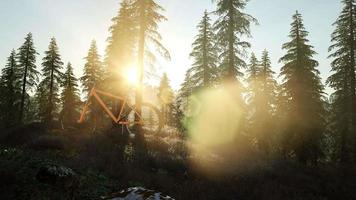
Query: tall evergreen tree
x,y
254,97
231,25
266,109
121,46
166,97
52,76
69,97
93,76
147,13
27,63
343,49
93,70
253,80
11,91
304,93
204,68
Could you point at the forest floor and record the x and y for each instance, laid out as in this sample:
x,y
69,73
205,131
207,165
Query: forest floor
x,y
106,163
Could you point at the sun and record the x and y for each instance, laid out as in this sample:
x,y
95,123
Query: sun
x,y
132,75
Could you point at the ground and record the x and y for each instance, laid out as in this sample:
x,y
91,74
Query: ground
x,y
107,162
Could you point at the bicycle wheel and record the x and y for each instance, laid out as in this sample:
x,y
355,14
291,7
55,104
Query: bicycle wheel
x,y
150,120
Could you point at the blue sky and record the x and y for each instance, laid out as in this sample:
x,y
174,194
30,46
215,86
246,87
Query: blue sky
x,y
75,23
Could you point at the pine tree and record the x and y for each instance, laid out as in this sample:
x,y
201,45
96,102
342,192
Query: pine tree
x,y
166,97
304,93
267,102
269,84
93,70
204,68
231,25
121,46
253,80
93,77
343,121
11,91
147,13
254,97
69,97
52,76
27,63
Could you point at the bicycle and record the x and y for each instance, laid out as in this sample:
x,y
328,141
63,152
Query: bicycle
x,y
150,118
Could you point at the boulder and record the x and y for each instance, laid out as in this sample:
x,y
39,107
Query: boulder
x,y
58,176
137,193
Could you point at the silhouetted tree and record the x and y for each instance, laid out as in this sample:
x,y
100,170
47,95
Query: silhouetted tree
x,y
121,47
27,63
52,77
304,94
253,96
11,91
93,76
231,25
166,98
69,97
204,69
93,70
343,120
147,14
267,102
253,81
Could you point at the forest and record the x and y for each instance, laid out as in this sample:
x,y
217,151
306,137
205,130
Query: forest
x,y
236,128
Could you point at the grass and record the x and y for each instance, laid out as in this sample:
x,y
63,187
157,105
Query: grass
x,y
108,162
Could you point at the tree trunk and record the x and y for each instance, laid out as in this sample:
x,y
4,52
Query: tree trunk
x,y
50,107
22,106
140,70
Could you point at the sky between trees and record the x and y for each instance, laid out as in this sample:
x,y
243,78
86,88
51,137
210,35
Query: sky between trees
x,y
76,23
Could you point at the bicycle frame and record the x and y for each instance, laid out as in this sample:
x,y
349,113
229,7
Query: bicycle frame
x,y
95,93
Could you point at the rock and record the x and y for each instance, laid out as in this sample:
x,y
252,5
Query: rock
x,y
138,193
59,176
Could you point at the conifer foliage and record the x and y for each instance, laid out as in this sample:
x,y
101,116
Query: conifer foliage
x,y
69,97
204,69
93,70
231,25
121,46
148,16
11,91
27,64
93,76
304,93
165,97
50,85
343,48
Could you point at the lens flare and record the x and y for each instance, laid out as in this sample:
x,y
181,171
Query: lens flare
x,y
215,130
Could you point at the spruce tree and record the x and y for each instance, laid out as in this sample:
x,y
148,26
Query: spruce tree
x,y
253,80
121,47
27,62
70,99
267,102
52,77
304,94
148,16
254,95
93,77
166,97
231,25
204,54
93,70
343,120
11,91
